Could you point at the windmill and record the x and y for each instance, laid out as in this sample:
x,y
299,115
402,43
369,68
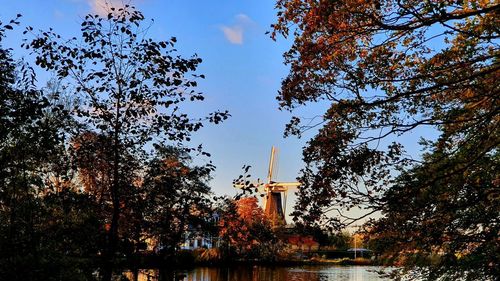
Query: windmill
x,y
274,202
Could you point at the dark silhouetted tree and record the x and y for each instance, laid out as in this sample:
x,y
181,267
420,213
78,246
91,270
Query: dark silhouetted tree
x,y
40,235
131,91
181,196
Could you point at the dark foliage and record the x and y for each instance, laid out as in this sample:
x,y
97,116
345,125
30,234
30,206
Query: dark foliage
x,y
80,189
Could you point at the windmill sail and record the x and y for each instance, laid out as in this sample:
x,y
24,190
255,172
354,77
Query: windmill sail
x,y
272,162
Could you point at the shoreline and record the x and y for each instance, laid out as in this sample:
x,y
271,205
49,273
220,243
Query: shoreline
x,y
157,262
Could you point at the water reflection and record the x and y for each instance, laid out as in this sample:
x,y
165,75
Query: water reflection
x,y
260,273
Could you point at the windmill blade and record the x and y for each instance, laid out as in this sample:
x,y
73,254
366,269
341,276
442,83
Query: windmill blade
x,y
276,164
288,184
285,194
271,165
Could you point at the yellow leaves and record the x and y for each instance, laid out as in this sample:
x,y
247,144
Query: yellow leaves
x,y
463,11
487,3
475,4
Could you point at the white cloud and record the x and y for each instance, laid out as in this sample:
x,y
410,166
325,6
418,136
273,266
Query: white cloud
x,y
234,33
243,19
102,7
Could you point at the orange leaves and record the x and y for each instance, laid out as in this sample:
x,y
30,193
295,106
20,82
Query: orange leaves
x,y
243,223
475,4
173,165
248,210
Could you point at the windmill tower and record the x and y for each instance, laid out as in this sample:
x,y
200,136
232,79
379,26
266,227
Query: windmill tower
x,y
275,193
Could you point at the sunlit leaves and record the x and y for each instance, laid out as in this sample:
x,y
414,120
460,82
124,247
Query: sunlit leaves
x,y
245,228
388,68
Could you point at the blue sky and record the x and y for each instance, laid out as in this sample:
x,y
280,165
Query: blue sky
x,y
242,65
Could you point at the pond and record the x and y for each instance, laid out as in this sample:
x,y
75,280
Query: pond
x,y
261,273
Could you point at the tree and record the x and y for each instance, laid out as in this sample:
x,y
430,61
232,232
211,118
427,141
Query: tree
x,y
338,240
244,228
387,68
71,236
181,198
131,90
33,169
452,221
92,156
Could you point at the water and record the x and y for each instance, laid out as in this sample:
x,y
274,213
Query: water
x,y
260,273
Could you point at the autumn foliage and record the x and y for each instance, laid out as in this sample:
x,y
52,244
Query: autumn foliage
x,y
244,226
97,177
389,72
